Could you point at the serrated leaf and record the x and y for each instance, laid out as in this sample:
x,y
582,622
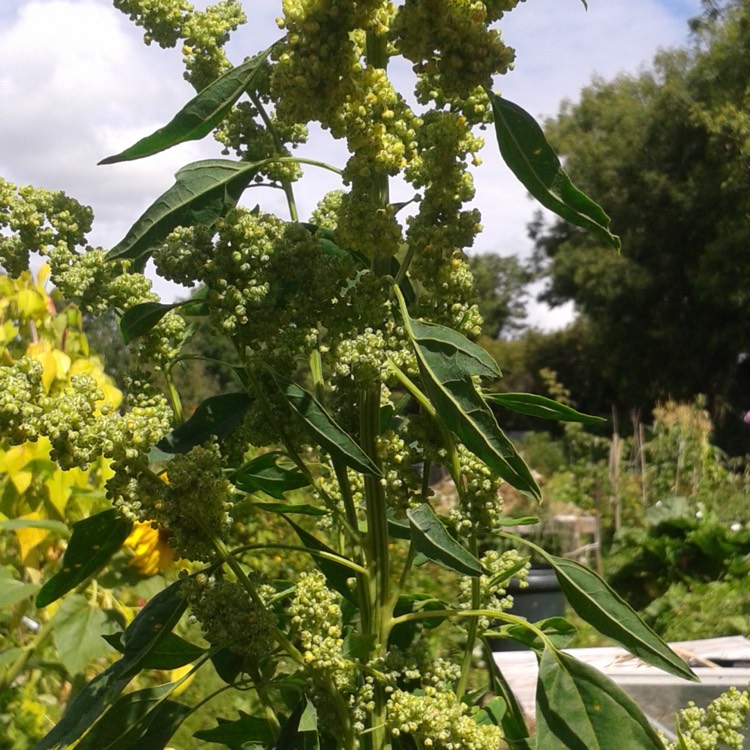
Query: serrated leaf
x,y
91,546
322,427
236,734
140,319
337,575
266,474
446,372
531,159
77,633
216,416
539,406
593,600
200,115
144,719
203,192
428,535
579,708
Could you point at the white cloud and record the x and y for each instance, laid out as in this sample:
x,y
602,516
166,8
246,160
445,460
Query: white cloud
x,y
77,84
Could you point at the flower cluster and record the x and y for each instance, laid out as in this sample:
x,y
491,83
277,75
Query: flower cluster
x,y
721,724
316,622
204,32
315,617
450,42
493,585
36,220
229,618
194,504
481,504
438,720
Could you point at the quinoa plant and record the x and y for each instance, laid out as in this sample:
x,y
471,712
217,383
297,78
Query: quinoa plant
x,y
356,375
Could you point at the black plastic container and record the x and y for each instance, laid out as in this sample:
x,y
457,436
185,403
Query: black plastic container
x,y
541,599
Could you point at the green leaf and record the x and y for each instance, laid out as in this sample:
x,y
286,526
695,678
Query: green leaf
x,y
143,719
94,541
215,416
447,370
77,633
12,590
556,629
200,115
398,528
531,159
300,731
58,527
513,720
579,708
172,652
337,575
467,356
88,705
322,427
539,406
228,664
152,624
203,192
267,474
492,713
237,734
140,639
594,601
428,535
140,319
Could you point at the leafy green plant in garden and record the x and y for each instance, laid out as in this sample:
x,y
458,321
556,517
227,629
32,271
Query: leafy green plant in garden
x,y
45,652
356,375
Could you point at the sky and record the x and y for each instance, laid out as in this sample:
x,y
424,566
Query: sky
x,y
78,84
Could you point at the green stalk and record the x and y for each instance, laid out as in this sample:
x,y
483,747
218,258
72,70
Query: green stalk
x,y
471,630
285,184
377,522
363,583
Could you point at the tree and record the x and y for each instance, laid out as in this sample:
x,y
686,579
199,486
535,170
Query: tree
x,y
500,286
669,149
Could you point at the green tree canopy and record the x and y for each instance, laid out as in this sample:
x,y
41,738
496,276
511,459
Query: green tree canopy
x,y
669,152
501,287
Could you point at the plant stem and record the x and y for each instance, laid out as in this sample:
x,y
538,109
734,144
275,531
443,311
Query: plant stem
x,y
471,631
375,500
285,184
